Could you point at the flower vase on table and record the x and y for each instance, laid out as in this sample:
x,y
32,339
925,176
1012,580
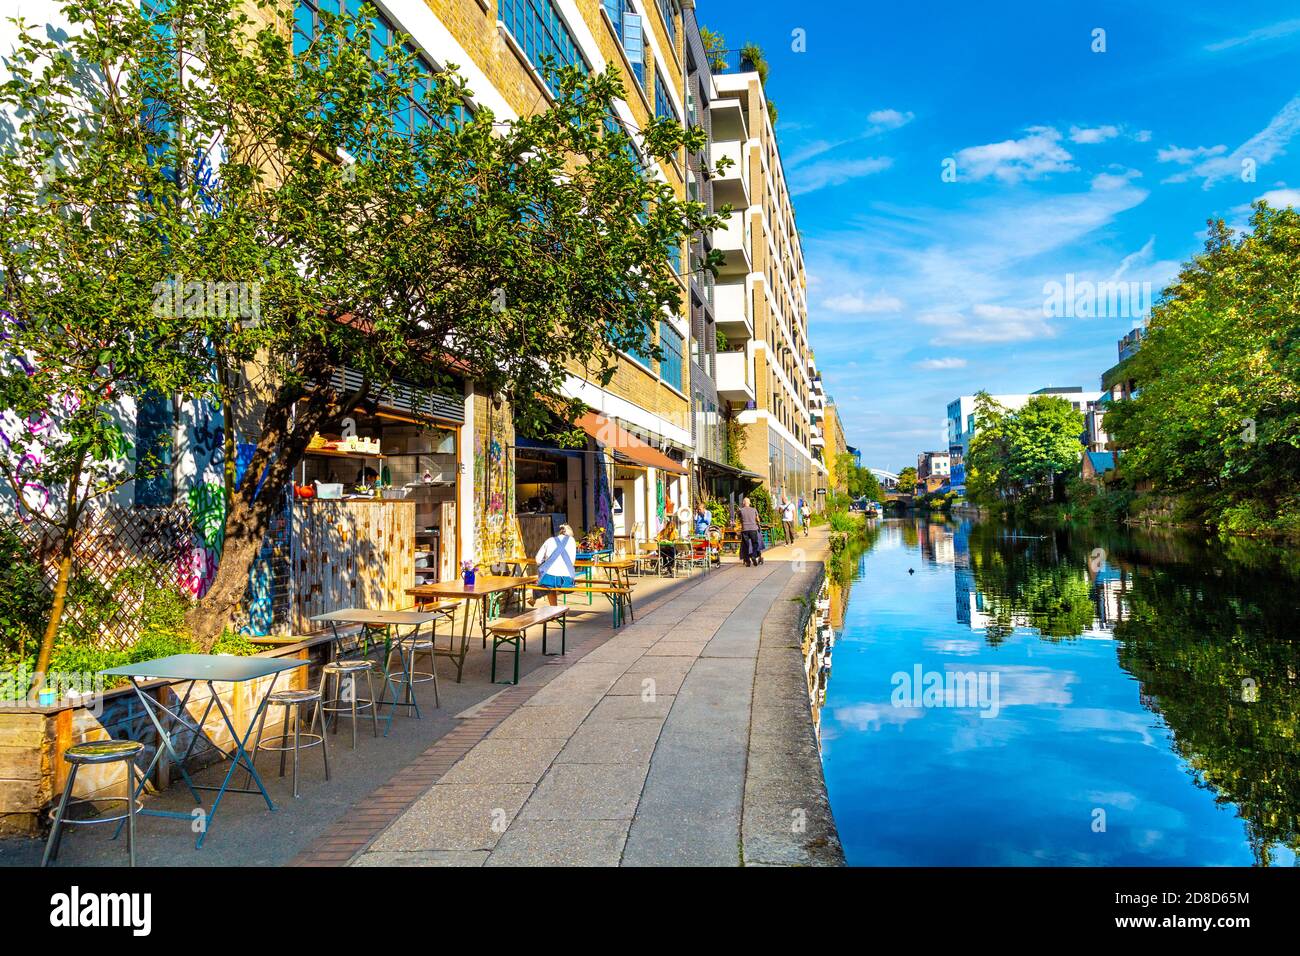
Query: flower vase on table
x,y
467,573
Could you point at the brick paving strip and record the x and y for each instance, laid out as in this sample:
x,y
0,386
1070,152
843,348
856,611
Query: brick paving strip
x,y
657,745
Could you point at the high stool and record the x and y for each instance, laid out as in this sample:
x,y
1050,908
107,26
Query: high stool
x,y
96,752
293,701
335,705
406,649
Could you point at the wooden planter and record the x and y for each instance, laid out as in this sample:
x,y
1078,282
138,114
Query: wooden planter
x,y
33,739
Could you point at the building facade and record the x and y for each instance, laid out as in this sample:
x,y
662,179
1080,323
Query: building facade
x,y
765,365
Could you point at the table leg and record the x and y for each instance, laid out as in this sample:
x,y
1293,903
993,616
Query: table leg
x,y
240,756
165,746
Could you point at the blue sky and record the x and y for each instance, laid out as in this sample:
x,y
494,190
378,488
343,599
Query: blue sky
x,y
1101,165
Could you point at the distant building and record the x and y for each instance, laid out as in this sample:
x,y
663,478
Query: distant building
x,y
857,455
961,422
933,463
1118,385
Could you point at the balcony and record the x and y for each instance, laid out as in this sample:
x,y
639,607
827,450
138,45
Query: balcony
x,y
733,241
731,310
731,185
735,376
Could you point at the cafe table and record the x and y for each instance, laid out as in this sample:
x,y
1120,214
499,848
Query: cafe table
x,y
476,595
210,669
372,621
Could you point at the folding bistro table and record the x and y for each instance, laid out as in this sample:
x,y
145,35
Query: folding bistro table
x,y
385,621
476,594
209,669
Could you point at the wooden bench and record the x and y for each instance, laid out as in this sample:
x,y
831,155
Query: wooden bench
x,y
513,630
618,595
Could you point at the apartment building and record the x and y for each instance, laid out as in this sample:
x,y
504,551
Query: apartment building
x,y
765,368
835,450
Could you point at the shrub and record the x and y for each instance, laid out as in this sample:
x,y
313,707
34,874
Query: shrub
x,y
24,598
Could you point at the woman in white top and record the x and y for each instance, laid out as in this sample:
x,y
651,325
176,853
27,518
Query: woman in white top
x,y
556,562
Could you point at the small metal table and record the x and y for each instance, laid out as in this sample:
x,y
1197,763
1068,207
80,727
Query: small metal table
x,y
476,595
385,621
209,669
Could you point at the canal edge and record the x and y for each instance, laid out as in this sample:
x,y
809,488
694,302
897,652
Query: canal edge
x,y
786,817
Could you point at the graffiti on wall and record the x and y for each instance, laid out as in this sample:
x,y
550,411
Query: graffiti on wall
x,y
494,487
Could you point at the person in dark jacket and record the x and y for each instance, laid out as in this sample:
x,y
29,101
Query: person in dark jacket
x,y
751,544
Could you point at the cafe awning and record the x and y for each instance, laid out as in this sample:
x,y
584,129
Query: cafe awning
x,y
708,464
626,445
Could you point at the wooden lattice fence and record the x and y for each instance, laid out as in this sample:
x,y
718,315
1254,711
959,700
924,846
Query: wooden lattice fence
x,y
119,551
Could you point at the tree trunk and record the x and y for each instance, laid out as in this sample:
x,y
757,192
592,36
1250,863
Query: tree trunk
x,y
66,549
252,511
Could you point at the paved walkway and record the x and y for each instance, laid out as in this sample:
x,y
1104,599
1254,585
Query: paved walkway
x,y
681,739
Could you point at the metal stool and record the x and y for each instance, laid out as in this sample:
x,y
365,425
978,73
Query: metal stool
x,y
406,648
336,705
292,701
96,752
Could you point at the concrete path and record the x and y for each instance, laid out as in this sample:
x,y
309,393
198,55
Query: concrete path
x,y
640,752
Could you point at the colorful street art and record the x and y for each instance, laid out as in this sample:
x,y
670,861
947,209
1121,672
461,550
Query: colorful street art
x,y
604,509
494,485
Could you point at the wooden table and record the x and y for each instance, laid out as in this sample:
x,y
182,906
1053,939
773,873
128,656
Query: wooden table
x,y
475,594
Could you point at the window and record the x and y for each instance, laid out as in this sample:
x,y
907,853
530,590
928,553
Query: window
x,y
415,113
671,368
664,108
541,31
154,420
628,29
668,10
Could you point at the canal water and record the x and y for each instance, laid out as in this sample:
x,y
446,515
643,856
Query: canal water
x,y
987,694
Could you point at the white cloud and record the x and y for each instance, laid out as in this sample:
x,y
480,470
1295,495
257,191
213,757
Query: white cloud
x,y
1095,134
1118,179
858,303
889,119
1185,156
941,364
1273,31
1281,197
835,172
1142,136
1261,149
986,324
1031,157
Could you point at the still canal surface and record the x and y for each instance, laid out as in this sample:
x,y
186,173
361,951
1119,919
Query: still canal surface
x,y
987,694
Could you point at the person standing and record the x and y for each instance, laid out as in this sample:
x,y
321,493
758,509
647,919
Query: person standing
x,y
556,563
703,521
805,515
787,520
751,545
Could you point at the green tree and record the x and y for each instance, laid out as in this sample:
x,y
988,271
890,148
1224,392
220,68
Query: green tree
x,y
1013,452
1216,419
94,215
1043,438
501,253
907,480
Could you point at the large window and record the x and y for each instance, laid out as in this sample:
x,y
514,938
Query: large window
x,y
671,368
667,8
541,31
664,108
628,29
415,113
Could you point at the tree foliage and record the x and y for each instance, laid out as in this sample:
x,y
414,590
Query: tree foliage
x,y
907,480
506,253
1015,451
1217,415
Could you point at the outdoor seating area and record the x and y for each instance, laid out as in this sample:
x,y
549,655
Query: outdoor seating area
x,y
305,728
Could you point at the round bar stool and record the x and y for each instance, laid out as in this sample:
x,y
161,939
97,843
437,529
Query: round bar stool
x,y
336,704
91,754
293,702
406,649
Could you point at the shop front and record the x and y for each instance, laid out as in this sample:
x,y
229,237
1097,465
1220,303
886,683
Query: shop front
x,y
375,506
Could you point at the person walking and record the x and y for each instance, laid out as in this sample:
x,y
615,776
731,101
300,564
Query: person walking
x,y
751,545
556,563
787,520
805,513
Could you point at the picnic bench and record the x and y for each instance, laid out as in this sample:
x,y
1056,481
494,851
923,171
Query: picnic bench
x,y
618,595
514,630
